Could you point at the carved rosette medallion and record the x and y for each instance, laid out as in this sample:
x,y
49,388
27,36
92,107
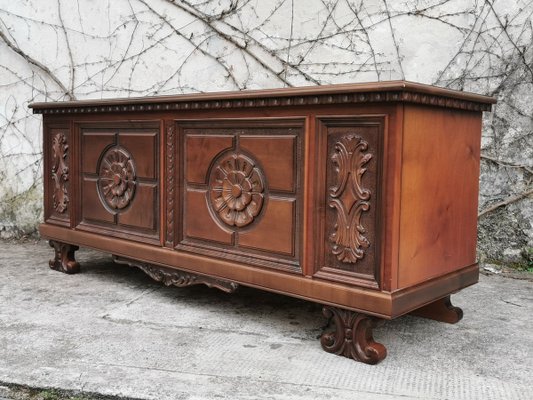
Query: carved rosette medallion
x,y
116,179
236,189
60,172
349,198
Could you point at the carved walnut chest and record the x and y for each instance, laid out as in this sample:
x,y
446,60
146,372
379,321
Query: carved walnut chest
x,y
361,197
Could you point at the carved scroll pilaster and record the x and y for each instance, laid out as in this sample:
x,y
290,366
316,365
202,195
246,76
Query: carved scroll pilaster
x,y
174,277
352,337
60,172
170,172
349,198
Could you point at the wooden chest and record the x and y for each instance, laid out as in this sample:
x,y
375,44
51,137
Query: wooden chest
x,y
362,197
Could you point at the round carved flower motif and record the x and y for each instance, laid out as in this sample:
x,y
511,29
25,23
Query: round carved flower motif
x,y
236,190
116,178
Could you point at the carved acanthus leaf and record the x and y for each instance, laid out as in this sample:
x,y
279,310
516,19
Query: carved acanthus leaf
x,y
352,336
349,198
60,172
174,277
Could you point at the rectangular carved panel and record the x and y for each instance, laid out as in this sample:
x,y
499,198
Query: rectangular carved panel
x,y
93,144
202,226
350,167
278,226
277,156
142,147
139,214
58,174
200,151
120,178
93,209
241,195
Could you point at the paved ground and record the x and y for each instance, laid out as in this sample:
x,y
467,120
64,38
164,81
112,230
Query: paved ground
x,y
111,330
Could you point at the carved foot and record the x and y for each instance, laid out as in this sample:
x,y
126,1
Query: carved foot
x,y
441,310
64,260
353,336
178,278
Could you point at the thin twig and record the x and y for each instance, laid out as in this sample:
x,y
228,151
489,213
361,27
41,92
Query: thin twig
x,y
507,163
509,200
38,64
72,67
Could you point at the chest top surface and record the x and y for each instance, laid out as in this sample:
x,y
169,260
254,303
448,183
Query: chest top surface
x,y
389,91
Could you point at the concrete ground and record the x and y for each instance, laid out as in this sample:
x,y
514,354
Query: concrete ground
x,y
112,330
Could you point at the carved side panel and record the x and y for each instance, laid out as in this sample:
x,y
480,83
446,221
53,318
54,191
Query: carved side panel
x,y
349,198
241,190
351,156
60,172
58,175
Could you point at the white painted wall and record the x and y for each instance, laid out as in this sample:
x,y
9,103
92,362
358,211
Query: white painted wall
x,y
57,49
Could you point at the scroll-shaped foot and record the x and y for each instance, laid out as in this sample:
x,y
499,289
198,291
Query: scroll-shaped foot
x,y
441,310
353,336
64,260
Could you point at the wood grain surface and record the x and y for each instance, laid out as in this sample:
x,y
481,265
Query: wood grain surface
x,y
360,196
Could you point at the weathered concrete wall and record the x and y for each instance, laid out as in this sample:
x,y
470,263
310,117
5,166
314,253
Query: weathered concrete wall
x,y
59,49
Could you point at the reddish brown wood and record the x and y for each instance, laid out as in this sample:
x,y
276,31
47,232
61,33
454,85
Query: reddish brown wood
x,y
174,277
440,310
169,170
120,177
392,91
352,336
372,302
351,150
439,195
64,260
362,197
391,205
60,172
94,144
242,190
277,154
58,177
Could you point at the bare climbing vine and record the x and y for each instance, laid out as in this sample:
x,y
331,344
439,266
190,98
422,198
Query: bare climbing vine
x,y
66,50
